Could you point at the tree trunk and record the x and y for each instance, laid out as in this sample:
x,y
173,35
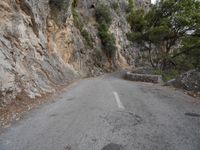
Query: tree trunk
x,y
150,59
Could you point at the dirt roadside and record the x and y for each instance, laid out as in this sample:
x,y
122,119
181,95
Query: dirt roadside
x,y
14,111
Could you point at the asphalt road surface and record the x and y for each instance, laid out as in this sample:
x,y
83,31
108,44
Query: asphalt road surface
x,y
109,113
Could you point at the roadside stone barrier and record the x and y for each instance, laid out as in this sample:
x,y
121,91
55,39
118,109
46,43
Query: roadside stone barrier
x,y
143,77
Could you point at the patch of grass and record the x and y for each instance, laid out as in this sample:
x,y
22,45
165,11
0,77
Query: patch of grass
x,y
77,20
167,74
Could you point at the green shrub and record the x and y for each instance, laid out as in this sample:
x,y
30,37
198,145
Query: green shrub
x,y
77,20
115,6
131,5
103,14
87,37
170,29
183,63
58,4
167,74
75,3
108,41
104,18
80,25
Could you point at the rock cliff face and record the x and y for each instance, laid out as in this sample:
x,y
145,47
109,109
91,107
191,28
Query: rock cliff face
x,y
41,49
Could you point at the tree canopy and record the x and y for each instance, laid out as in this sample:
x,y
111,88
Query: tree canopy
x,y
170,29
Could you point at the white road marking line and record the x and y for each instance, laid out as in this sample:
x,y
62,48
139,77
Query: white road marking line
x,y
119,103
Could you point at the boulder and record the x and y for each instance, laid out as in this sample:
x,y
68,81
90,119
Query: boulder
x,y
189,81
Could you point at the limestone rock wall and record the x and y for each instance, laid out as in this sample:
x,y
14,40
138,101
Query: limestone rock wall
x,y
37,53
27,66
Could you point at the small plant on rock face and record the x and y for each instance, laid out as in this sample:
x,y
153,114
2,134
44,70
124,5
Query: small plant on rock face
x,y
77,20
80,24
115,6
75,3
87,37
58,4
131,5
103,14
58,10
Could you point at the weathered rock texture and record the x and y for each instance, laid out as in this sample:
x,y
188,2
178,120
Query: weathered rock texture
x,y
189,81
37,52
26,64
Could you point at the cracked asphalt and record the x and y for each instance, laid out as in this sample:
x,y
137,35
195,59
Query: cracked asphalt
x,y
88,116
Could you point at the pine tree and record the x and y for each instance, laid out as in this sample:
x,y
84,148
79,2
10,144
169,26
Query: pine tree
x,y
170,29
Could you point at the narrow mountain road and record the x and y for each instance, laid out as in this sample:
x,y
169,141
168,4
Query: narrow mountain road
x,y
109,113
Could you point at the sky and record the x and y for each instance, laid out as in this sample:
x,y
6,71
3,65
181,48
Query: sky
x,y
153,1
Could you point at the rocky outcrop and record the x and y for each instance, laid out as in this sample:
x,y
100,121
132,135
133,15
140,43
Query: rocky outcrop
x,y
39,51
90,60
189,81
26,64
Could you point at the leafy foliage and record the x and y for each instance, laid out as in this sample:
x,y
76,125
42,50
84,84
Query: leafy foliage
x,y
58,4
167,74
104,19
75,3
80,25
115,5
169,30
190,50
87,37
103,14
131,6
107,40
77,20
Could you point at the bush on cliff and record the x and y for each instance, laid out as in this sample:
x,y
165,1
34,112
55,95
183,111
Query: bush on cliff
x,y
104,19
169,33
58,4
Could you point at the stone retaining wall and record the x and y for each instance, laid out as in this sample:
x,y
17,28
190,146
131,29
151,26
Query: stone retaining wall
x,y
143,77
